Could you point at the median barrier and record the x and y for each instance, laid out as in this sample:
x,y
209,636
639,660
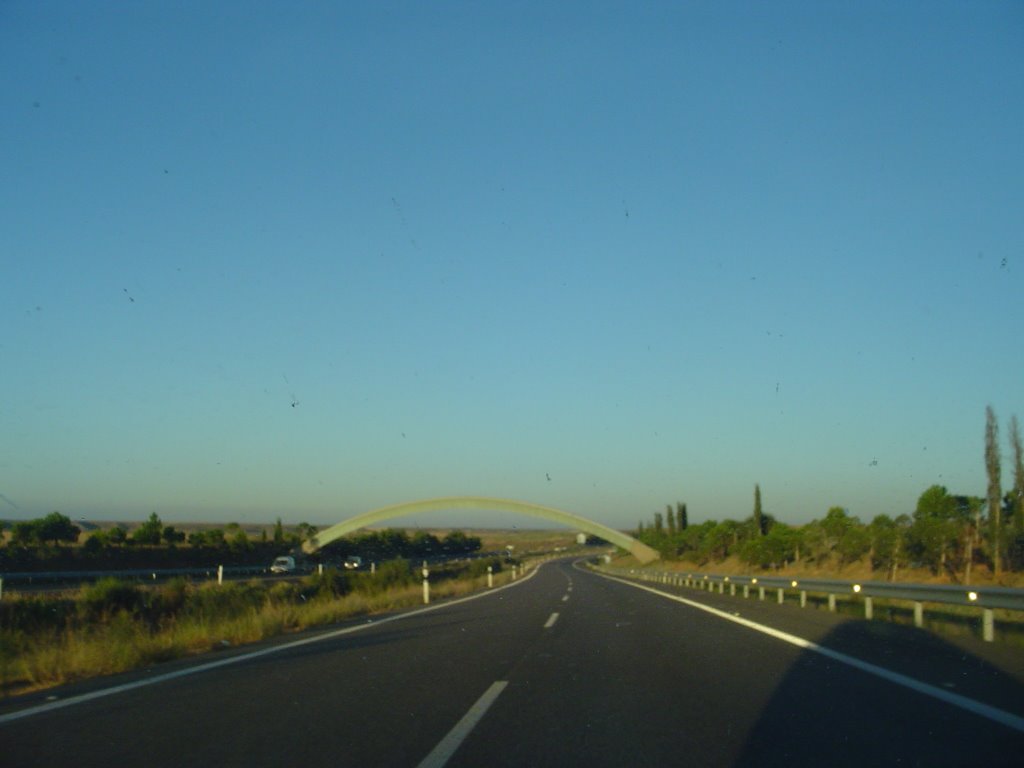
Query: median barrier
x,y
15,579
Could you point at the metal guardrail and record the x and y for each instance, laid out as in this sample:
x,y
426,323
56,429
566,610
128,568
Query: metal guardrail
x,y
982,597
34,578
951,594
44,578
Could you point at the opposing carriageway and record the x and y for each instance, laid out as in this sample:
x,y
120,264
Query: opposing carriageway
x,y
638,549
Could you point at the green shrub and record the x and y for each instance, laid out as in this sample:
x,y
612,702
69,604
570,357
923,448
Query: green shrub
x,y
329,584
391,574
110,596
169,600
215,602
36,613
479,566
284,593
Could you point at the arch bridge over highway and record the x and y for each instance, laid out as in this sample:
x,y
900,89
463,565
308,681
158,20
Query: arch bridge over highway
x,y
638,549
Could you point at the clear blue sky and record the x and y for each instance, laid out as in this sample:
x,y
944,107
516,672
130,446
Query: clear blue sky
x,y
308,259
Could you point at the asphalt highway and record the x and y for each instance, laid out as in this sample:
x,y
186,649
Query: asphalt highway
x,y
564,668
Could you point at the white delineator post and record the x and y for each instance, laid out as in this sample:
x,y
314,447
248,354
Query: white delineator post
x,y
490,576
220,574
988,623
426,584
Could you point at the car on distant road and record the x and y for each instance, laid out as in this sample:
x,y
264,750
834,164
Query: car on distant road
x,y
353,562
283,564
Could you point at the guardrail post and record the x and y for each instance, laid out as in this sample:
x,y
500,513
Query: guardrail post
x,y
220,574
918,615
746,590
721,587
373,568
868,608
832,602
732,589
513,573
490,576
988,629
320,569
803,598
760,593
781,595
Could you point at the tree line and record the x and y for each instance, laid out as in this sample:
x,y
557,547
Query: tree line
x,y
948,533
52,543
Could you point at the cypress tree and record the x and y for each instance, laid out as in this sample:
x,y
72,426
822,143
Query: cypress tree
x,y
681,514
994,491
1017,495
758,517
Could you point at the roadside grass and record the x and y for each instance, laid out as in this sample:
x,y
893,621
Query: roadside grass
x,y
113,627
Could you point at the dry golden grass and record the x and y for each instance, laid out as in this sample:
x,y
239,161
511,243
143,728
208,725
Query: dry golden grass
x,y
122,643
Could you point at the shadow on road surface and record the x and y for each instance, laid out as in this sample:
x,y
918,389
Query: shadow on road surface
x,y
817,714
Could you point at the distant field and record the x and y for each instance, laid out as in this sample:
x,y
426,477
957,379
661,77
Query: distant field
x,y
492,539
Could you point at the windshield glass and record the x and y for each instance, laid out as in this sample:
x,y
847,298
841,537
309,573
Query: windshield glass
x,y
732,289
315,260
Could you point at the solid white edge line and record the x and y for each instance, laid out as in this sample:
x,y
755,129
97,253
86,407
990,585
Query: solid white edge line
x,y
551,621
445,748
976,707
104,692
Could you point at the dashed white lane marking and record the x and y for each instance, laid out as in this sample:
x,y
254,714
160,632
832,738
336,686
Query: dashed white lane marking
x,y
551,621
445,748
